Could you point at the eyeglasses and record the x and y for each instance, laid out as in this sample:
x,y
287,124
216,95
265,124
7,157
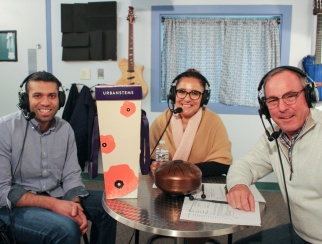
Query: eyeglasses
x,y
289,98
194,95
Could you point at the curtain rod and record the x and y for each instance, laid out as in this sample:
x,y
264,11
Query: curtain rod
x,y
278,20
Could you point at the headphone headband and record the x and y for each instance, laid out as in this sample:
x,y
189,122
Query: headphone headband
x,y
53,78
195,74
23,96
291,68
311,92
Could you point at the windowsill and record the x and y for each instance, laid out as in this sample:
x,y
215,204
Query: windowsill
x,y
319,105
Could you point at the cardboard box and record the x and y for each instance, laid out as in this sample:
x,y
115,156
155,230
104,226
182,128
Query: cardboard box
x,y
119,119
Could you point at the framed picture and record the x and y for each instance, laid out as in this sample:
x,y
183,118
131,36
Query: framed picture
x,y
8,46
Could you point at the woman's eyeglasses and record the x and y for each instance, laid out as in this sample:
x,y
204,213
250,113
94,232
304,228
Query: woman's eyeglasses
x,y
194,95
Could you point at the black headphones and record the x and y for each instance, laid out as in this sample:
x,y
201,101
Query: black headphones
x,y
23,96
206,94
310,90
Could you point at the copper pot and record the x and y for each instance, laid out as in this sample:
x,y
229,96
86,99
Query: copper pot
x,y
178,177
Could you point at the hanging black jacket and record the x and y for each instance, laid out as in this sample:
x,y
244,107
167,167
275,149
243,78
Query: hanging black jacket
x,y
70,103
81,121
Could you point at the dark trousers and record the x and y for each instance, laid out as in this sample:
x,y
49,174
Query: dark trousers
x,y
279,234
39,225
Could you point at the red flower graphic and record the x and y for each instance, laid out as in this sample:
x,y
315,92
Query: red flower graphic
x,y
119,181
128,109
107,143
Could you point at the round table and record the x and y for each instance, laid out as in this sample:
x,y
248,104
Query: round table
x,y
156,212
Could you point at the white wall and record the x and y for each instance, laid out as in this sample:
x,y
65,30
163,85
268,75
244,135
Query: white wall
x,y
30,24
28,18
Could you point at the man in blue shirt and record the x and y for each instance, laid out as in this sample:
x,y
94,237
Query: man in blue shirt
x,y
42,194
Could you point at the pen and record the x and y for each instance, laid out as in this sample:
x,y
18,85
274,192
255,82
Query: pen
x,y
214,201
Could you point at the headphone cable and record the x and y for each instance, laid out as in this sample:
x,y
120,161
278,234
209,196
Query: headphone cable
x,y
286,192
172,110
162,133
22,149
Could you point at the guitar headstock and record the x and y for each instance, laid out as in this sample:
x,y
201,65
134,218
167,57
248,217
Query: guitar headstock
x,y
317,7
131,16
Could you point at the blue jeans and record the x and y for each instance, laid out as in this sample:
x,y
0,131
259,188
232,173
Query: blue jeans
x,y
279,234
37,225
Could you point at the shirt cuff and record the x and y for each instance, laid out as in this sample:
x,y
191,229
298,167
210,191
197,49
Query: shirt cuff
x,y
78,191
15,193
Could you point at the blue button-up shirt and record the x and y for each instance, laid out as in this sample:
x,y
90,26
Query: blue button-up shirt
x,y
37,162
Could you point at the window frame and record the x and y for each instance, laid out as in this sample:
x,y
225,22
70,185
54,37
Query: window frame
x,y
284,12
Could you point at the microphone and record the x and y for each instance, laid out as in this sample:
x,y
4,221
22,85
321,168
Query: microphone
x,y
275,134
177,110
28,115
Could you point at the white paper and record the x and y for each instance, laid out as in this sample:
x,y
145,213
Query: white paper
x,y
210,212
214,191
257,196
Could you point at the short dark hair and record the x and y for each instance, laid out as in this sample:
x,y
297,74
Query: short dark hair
x,y
42,76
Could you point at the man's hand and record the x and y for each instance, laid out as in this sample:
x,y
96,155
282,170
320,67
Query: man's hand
x,y
69,209
240,197
74,211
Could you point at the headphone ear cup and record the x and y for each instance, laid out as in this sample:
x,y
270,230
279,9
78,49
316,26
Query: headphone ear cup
x,y
23,100
311,94
172,94
263,108
61,98
307,91
205,97
316,94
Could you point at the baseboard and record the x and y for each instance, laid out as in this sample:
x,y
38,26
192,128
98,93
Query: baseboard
x,y
268,186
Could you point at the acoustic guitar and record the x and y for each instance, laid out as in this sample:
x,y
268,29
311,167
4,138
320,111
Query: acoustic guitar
x,y
312,64
131,75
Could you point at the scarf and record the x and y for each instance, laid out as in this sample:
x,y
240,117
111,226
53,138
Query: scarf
x,y
183,140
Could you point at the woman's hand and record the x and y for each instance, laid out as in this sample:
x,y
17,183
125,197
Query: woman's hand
x,y
154,165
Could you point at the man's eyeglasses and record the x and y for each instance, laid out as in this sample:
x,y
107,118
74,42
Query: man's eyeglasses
x,y
289,98
194,95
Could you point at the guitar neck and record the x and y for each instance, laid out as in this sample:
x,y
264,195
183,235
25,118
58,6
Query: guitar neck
x,y
318,39
131,52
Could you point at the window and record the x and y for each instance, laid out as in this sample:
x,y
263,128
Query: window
x,y
159,12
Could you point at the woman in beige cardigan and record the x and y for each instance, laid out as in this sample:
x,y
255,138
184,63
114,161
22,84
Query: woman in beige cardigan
x,y
191,131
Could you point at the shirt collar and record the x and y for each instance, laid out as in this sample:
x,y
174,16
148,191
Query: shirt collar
x,y
35,124
286,139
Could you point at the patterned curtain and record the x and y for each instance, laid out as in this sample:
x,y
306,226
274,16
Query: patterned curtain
x,y
233,54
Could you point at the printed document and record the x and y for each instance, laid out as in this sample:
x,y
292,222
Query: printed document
x,y
204,210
